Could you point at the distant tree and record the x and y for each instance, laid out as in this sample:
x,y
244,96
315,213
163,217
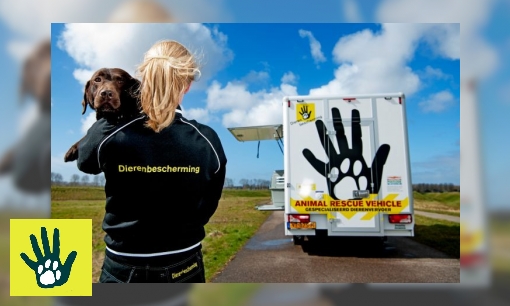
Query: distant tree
x,y
228,183
442,187
263,184
267,183
244,183
75,178
85,180
56,178
102,180
96,180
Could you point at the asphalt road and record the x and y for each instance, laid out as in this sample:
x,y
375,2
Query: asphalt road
x,y
271,257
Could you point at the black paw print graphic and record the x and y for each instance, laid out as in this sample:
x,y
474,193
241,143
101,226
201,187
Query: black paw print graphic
x,y
49,271
349,162
305,113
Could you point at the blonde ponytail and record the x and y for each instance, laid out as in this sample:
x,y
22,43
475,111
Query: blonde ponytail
x,y
166,73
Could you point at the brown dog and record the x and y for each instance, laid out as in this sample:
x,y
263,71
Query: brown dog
x,y
113,94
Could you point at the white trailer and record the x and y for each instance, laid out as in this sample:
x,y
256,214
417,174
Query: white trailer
x,y
346,165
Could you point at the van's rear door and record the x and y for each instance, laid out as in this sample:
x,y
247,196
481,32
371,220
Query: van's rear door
x,y
351,147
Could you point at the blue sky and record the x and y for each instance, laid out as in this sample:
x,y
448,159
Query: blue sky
x,y
249,67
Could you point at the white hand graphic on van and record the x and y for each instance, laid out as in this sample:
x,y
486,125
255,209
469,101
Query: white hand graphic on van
x,y
349,162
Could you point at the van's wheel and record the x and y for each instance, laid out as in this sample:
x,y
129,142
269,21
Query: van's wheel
x,y
298,240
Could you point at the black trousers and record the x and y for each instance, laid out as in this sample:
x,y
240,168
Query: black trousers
x,y
186,267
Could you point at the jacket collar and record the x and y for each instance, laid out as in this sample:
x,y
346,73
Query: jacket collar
x,y
178,112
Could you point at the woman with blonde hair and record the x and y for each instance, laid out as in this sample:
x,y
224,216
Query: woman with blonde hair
x,y
164,177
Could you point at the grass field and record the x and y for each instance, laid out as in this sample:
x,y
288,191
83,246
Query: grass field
x,y
229,229
233,224
438,234
444,203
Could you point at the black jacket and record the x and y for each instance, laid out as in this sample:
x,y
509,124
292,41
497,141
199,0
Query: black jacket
x,y
161,188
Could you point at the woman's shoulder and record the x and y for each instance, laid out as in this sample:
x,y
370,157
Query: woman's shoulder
x,y
202,128
107,126
210,135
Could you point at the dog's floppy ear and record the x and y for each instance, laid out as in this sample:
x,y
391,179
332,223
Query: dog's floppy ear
x,y
134,95
134,87
85,101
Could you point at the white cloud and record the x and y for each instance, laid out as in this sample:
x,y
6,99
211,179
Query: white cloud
x,y
20,49
234,95
378,62
479,59
93,46
435,73
470,13
87,122
289,78
437,102
35,22
83,75
256,77
199,114
444,40
351,11
315,46
29,26
245,108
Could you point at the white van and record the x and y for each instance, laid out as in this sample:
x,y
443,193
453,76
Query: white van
x,y
346,165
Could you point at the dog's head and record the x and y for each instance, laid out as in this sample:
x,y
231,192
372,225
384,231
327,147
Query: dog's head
x,y
111,92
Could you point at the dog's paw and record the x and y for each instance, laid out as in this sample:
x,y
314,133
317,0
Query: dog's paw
x,y
49,273
71,155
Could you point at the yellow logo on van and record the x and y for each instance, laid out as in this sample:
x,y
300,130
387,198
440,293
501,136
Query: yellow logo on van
x,y
305,112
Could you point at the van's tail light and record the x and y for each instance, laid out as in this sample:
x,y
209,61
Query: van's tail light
x,y
402,219
299,218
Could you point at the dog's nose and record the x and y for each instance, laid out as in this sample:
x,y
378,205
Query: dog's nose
x,y
106,93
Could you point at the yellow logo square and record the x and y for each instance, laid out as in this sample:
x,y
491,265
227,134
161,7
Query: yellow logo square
x,y
305,112
51,257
